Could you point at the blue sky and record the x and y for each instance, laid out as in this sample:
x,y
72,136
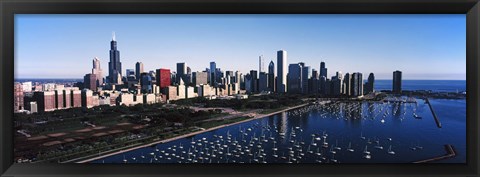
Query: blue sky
x,y
422,46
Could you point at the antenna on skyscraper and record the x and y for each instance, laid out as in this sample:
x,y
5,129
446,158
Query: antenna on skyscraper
x,y
113,36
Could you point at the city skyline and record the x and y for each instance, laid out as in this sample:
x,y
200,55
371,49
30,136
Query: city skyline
x,y
78,65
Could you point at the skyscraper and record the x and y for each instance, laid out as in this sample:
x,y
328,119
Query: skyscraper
x,y
294,81
357,84
130,73
347,90
323,73
397,82
271,77
199,78
322,84
263,82
213,70
305,78
260,64
138,70
237,77
323,69
337,83
370,83
218,76
181,72
188,76
90,81
248,83
146,83
163,78
97,71
114,66
281,71
314,82
254,81
229,75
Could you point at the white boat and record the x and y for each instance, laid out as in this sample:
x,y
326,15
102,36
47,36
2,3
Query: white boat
x,y
350,147
366,150
336,146
368,156
390,151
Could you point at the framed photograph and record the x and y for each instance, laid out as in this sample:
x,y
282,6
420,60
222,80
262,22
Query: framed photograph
x,y
223,88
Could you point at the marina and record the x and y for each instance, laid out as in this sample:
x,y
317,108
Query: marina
x,y
450,153
334,132
437,121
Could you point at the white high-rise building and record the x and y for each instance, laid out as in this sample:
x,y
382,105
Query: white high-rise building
x,y
260,65
98,71
282,71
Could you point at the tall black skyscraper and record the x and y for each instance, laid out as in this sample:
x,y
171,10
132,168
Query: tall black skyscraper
x,y
254,81
356,84
369,84
213,74
114,66
271,76
138,70
397,82
323,69
323,73
181,72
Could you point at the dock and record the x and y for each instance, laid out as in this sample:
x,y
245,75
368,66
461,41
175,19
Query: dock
x,y
400,100
439,124
450,153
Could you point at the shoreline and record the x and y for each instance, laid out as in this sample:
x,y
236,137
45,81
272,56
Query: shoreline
x,y
258,116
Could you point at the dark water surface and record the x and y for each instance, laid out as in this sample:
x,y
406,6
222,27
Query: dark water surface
x,y
433,85
355,125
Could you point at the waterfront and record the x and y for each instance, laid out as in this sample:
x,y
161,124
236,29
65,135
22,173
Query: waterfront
x,y
301,136
433,85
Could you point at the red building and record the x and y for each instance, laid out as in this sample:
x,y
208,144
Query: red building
x,y
45,101
59,97
67,98
18,97
163,77
76,98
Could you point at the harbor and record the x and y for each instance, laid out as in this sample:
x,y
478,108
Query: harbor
x,y
371,133
450,154
437,121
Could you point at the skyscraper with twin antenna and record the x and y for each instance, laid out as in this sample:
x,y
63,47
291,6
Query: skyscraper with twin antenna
x,y
114,66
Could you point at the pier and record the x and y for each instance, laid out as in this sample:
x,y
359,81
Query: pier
x,y
450,153
400,100
439,124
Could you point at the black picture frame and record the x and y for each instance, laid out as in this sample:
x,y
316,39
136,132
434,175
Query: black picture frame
x,y
11,7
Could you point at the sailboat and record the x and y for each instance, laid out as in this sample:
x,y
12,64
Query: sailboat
x,y
325,143
366,150
333,159
378,146
361,136
390,151
318,152
350,147
331,150
336,146
124,160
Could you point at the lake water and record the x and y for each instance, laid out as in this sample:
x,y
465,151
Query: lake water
x,y
298,136
433,85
